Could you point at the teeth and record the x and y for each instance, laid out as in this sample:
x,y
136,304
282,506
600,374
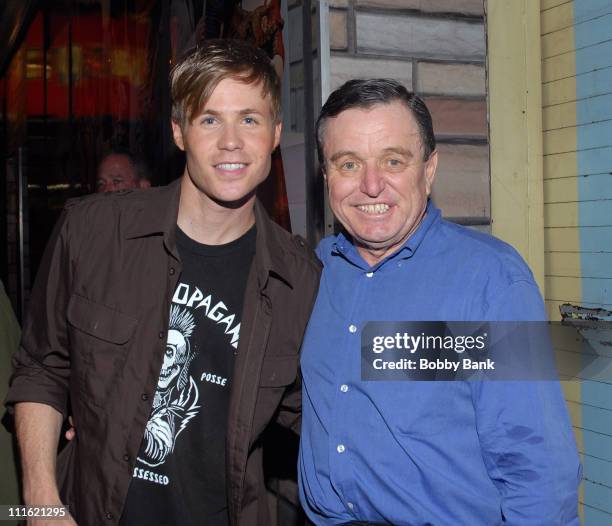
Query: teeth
x,y
231,166
378,208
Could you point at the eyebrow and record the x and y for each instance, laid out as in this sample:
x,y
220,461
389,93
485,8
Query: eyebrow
x,y
342,153
399,150
391,149
250,110
216,113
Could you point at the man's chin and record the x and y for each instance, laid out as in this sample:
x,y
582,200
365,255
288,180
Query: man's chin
x,y
374,240
233,202
231,198
376,243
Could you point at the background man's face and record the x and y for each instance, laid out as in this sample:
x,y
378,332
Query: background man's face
x,y
116,173
377,179
229,144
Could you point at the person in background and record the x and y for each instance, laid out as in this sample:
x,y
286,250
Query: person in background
x,y
120,170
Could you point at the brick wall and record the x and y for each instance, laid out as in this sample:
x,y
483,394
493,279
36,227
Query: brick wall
x,y
436,48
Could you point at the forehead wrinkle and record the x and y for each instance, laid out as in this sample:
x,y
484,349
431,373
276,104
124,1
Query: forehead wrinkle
x,y
402,133
400,146
365,139
344,143
385,141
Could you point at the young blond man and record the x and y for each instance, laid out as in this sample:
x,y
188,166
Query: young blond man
x,y
168,322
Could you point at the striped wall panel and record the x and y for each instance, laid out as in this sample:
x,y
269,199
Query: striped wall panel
x,y
577,128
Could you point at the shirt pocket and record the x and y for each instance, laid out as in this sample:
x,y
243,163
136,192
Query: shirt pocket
x,y
100,337
424,409
279,371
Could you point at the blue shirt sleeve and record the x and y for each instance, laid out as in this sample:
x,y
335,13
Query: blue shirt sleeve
x,y
527,441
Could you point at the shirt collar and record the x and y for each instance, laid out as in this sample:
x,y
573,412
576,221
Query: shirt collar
x,y
157,213
344,246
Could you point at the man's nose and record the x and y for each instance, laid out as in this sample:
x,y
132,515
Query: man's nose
x,y
372,180
230,138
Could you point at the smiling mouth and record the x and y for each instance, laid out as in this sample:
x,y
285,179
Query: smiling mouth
x,y
231,167
378,208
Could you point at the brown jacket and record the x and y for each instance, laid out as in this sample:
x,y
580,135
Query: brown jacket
x,y
94,342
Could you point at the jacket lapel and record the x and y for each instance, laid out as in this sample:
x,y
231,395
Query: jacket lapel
x,y
255,329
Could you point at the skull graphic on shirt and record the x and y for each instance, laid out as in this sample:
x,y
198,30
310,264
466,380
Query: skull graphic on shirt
x,y
176,397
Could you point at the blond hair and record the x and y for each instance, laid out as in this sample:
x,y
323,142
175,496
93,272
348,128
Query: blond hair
x,y
196,75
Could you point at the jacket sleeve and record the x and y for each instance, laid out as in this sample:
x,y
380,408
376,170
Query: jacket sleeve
x,y
290,410
525,433
42,363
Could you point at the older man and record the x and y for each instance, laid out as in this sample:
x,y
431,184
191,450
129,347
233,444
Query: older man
x,y
417,453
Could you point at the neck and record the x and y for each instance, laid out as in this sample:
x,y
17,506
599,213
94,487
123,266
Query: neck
x,y
210,222
372,256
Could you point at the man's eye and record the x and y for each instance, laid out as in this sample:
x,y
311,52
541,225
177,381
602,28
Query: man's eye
x,y
208,120
394,163
349,165
250,120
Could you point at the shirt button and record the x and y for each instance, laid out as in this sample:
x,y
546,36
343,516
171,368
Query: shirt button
x,y
369,274
340,448
144,397
350,505
109,515
126,458
172,271
344,388
161,334
352,328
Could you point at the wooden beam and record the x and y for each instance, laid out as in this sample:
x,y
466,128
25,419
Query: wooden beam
x,y
515,122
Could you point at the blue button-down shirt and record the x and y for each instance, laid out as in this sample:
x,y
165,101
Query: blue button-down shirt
x,y
435,453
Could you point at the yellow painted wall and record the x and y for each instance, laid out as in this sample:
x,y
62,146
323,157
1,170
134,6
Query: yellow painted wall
x,y
515,125
531,104
561,211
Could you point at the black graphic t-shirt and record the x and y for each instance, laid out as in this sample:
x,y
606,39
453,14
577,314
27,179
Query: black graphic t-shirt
x,y
179,477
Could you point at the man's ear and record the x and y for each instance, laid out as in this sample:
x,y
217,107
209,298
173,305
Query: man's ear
x,y
431,165
177,134
278,129
144,183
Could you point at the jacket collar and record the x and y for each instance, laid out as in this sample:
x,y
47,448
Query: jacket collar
x,y
157,210
157,213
